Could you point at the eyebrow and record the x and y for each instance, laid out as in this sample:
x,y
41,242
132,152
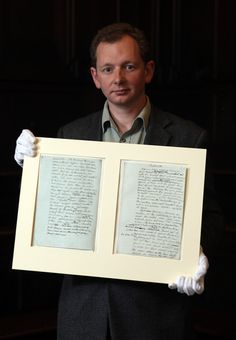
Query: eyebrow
x,y
124,63
107,64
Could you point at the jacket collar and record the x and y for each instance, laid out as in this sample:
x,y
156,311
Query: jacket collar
x,y
157,133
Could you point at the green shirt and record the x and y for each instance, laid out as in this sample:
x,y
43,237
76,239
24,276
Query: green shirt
x,y
135,135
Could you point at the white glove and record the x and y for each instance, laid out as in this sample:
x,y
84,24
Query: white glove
x,y
195,284
25,146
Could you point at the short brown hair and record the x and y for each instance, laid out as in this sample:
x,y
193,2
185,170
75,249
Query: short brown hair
x,y
115,32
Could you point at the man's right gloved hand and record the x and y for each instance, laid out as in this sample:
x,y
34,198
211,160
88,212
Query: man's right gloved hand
x,y
25,146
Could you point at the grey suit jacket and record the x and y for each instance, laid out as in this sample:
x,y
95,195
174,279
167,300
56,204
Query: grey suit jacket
x,y
133,310
164,129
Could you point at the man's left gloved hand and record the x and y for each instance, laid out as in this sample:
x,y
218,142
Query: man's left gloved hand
x,y
195,284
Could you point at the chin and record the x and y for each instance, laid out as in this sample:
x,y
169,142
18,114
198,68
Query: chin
x,y
121,100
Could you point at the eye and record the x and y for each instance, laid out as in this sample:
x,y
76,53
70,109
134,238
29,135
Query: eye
x,y
107,69
129,67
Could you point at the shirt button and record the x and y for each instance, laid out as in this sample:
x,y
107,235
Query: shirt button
x,y
122,140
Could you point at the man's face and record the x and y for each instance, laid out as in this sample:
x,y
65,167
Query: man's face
x,y
121,73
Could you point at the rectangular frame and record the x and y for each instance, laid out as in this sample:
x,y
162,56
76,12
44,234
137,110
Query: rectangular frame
x,y
103,262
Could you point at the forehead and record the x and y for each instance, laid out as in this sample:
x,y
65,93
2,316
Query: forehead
x,y
124,48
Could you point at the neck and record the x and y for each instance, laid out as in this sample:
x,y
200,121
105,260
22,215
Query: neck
x,y
125,116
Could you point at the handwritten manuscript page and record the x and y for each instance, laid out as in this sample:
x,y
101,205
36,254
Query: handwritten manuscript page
x,y
151,209
67,202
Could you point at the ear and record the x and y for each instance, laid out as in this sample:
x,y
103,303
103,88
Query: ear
x,y
149,71
94,75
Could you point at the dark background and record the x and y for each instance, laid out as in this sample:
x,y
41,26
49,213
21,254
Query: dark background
x,y
45,82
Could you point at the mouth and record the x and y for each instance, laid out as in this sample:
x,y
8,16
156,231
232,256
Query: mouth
x,y
120,92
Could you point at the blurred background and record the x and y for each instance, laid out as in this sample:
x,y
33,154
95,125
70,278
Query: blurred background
x,y
45,83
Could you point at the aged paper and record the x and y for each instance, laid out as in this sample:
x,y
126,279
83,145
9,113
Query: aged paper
x,y
67,201
151,209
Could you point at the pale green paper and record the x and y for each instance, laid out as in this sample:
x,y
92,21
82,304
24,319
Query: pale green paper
x,y
67,202
151,209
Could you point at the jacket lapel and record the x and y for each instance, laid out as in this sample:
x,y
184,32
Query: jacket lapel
x,y
94,127
157,133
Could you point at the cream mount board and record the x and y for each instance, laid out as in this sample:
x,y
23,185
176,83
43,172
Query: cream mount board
x,y
106,243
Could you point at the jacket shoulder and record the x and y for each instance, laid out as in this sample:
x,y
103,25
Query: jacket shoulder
x,y
180,131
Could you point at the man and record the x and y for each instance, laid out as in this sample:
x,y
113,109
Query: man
x,y
100,309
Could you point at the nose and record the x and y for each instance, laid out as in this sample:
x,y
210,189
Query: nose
x,y
118,76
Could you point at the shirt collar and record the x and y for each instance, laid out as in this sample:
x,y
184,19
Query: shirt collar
x,y
107,120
